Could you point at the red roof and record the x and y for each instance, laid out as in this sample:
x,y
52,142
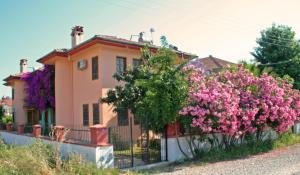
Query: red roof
x,y
212,63
6,101
102,39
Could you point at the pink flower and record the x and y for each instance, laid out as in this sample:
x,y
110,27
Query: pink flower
x,y
237,102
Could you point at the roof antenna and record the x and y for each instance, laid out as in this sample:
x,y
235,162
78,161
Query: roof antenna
x,y
141,37
133,36
152,31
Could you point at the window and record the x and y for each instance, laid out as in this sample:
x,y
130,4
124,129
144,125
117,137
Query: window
x,y
96,117
121,64
12,93
32,117
123,117
136,63
95,70
85,110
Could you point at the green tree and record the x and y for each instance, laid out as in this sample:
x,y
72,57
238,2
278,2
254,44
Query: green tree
x,y
154,92
279,50
1,111
164,42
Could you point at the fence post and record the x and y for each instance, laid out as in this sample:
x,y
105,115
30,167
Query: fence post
x,y
37,130
59,133
99,135
166,143
171,129
131,142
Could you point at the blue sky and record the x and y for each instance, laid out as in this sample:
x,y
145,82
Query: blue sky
x,y
225,29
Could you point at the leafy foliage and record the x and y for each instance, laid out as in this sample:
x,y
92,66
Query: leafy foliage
x,y
40,158
235,103
154,92
40,88
7,119
280,50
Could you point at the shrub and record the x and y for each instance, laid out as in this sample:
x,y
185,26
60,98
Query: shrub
x,y
76,165
25,160
235,103
7,119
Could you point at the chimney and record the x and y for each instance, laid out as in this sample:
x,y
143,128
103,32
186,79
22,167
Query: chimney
x,y
23,66
77,35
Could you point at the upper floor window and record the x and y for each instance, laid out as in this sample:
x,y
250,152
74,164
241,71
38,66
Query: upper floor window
x,y
121,64
96,114
85,114
95,68
136,63
123,117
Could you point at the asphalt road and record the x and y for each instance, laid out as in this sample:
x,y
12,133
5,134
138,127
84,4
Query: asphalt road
x,y
285,161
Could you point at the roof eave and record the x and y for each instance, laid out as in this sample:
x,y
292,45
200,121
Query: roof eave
x,y
107,41
51,55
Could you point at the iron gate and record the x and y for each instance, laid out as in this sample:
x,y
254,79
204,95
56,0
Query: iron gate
x,y
135,145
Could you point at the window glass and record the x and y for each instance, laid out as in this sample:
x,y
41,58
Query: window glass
x,y
95,69
85,114
96,116
121,64
136,63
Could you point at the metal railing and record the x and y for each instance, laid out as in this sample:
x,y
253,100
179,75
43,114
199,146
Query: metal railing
x,y
78,134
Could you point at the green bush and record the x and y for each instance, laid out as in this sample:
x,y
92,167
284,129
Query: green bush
x,y
76,165
7,119
154,144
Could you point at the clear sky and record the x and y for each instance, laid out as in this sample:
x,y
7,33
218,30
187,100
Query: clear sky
x,y
223,28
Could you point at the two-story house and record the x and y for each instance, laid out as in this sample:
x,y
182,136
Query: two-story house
x,y
83,74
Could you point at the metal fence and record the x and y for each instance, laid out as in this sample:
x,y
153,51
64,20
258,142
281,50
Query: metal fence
x,y
134,145
78,134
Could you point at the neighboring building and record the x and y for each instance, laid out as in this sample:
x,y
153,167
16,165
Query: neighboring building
x,y
6,104
213,64
83,74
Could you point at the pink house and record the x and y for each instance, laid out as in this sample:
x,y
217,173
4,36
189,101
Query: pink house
x,y
83,74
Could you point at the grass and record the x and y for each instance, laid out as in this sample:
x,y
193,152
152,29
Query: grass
x,y
236,152
137,151
246,150
40,158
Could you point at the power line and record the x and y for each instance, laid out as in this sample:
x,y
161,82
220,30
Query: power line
x,y
275,44
271,37
281,62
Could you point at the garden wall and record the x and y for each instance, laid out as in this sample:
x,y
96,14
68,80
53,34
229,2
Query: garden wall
x,y
175,154
102,156
297,128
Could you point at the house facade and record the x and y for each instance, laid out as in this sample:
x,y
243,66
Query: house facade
x,y
83,74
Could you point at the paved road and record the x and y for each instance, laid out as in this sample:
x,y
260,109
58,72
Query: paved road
x,y
284,161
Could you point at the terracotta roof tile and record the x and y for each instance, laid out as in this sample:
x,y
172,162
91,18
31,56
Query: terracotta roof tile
x,y
212,63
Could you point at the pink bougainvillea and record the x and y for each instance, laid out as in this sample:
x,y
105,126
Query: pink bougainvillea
x,y
235,102
39,88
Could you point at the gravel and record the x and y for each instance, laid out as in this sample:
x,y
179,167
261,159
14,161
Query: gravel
x,y
285,161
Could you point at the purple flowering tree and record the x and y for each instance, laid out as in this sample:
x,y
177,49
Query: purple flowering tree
x,y
40,88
